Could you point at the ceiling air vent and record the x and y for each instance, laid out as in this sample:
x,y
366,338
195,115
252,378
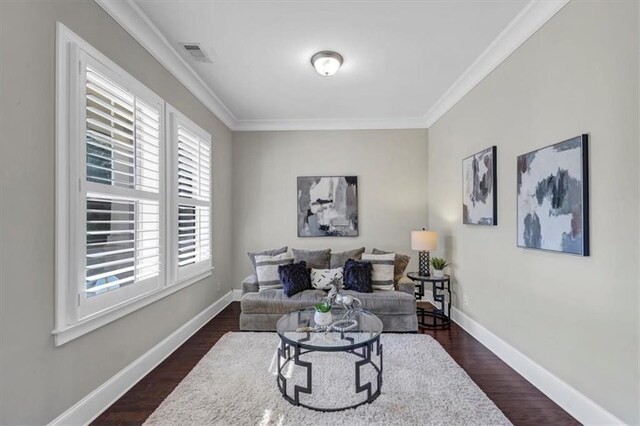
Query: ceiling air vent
x,y
196,52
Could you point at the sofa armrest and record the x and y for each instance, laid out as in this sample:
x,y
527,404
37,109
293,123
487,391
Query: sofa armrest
x,y
250,285
406,285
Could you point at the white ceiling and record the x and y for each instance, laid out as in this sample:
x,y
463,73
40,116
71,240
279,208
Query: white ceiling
x,y
400,57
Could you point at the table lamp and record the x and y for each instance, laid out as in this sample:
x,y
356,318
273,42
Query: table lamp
x,y
424,241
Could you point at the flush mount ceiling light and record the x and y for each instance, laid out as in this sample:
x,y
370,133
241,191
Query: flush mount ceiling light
x,y
326,62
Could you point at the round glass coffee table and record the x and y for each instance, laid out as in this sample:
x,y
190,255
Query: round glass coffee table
x,y
362,343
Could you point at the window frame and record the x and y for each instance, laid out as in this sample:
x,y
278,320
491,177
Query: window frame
x,y
174,119
70,197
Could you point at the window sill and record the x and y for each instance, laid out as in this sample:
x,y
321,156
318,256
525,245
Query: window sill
x,y
70,332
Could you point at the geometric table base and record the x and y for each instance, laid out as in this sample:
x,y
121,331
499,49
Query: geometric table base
x,y
291,352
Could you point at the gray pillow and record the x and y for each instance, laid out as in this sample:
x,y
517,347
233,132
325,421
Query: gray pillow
x,y
339,259
273,252
401,263
315,259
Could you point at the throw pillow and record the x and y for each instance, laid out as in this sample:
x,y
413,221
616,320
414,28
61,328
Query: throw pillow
x,y
274,252
339,259
267,270
383,264
318,259
399,266
294,278
322,278
357,276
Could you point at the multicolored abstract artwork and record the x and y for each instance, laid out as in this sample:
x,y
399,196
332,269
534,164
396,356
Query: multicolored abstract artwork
x,y
328,206
553,211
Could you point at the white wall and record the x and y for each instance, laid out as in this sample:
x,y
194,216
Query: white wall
x,y
575,316
37,380
392,193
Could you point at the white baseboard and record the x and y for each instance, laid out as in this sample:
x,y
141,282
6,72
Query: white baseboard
x,y
571,400
92,405
237,294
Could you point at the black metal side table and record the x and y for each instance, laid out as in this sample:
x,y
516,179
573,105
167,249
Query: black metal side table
x,y
440,317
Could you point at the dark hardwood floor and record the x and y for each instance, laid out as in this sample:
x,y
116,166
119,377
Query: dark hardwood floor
x,y
520,401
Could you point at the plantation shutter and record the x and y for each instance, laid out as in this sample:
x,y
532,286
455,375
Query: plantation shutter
x,y
194,197
122,188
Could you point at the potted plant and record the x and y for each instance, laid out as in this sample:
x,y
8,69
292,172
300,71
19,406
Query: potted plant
x,y
438,264
323,316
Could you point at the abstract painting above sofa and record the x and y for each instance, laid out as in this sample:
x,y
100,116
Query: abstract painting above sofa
x,y
327,206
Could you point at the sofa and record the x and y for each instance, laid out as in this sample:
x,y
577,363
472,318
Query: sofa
x,y
261,310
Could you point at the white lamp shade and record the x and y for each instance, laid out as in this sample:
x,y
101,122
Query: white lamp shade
x,y
424,240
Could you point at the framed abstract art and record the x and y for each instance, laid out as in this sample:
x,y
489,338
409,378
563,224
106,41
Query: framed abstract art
x,y
479,188
553,197
327,206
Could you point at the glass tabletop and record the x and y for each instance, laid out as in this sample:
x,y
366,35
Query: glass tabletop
x,y
299,328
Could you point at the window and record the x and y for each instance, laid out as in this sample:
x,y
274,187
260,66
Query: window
x,y
119,188
133,205
191,192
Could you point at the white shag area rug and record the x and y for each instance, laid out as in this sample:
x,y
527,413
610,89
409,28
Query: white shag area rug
x,y
235,384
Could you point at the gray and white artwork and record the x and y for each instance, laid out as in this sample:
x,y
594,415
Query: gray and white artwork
x,y
328,206
479,189
553,198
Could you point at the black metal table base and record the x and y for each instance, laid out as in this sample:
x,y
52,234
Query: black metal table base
x,y
436,320
291,352
440,316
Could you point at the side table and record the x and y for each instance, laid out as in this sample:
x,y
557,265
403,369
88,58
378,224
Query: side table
x,y
440,316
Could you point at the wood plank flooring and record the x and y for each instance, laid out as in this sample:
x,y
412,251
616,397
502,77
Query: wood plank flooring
x,y
520,401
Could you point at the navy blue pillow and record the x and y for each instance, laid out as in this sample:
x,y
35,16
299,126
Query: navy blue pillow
x,y
357,276
294,278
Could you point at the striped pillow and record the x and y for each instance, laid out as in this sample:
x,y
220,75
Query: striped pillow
x,y
267,270
383,266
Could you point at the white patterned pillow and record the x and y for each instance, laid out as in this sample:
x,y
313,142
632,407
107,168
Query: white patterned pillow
x,y
322,278
267,270
383,265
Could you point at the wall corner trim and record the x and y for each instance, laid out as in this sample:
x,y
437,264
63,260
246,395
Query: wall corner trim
x,y
569,399
130,17
237,294
92,405
523,26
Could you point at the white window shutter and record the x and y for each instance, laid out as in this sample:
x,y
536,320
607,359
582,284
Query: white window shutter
x,y
192,182
121,191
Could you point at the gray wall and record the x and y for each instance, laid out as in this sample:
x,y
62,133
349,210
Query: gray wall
x,y
575,316
39,381
392,193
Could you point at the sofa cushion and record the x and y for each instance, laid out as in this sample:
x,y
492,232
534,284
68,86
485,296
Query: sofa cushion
x,y
267,270
340,258
382,275
400,264
294,278
274,252
321,279
317,259
276,302
357,276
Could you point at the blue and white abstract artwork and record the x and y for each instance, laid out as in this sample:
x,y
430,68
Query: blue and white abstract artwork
x,y
327,206
553,211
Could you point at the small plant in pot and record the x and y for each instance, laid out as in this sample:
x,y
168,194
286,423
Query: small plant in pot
x,y
438,264
323,315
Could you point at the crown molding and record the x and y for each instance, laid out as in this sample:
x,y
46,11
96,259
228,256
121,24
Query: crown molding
x,y
523,26
139,26
330,124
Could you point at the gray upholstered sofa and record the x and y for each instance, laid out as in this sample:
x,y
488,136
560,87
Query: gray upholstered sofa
x,y
261,310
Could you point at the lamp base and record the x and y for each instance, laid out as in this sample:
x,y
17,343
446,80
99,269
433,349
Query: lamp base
x,y
423,264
